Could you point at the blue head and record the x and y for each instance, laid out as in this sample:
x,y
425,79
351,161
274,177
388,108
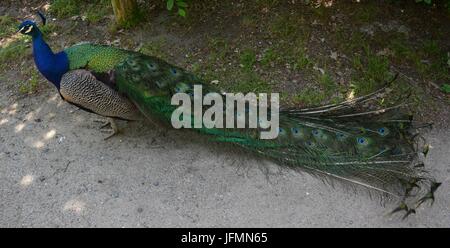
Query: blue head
x,y
51,65
29,28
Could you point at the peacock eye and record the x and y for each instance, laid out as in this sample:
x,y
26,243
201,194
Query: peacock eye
x,y
280,130
174,71
151,66
383,131
177,89
294,130
315,132
309,143
361,141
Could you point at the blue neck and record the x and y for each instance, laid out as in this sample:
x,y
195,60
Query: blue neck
x,y
52,66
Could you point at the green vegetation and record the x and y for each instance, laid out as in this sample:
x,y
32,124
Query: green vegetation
x,y
309,97
372,71
14,51
13,48
446,88
155,48
301,60
181,6
327,83
7,25
292,43
250,83
314,95
366,14
249,22
65,8
247,59
31,85
48,29
428,59
94,11
268,58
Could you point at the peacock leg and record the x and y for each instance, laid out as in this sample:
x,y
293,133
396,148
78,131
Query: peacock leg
x,y
112,123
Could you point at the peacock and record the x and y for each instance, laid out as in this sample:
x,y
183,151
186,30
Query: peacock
x,y
375,150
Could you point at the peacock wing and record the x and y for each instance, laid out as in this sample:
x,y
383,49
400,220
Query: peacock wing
x,y
83,89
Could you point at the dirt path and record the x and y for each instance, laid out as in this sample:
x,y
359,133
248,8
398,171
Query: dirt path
x,y
56,170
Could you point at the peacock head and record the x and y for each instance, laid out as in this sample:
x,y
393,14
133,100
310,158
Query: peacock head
x,y
29,27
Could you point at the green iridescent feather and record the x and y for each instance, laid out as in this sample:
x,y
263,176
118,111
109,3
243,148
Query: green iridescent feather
x,y
98,58
366,148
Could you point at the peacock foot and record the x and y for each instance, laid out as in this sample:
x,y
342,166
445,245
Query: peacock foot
x,y
430,195
405,208
109,126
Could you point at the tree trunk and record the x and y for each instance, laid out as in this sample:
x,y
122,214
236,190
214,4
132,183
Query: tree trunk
x,y
124,11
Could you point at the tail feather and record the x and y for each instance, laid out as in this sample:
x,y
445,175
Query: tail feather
x,y
373,149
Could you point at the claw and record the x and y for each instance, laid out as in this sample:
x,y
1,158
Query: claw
x,y
426,149
410,211
114,129
401,207
103,123
430,195
404,207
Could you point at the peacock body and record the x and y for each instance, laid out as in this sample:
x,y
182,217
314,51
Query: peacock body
x,y
371,149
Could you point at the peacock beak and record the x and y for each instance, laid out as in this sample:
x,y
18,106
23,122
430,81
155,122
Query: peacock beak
x,y
20,29
27,29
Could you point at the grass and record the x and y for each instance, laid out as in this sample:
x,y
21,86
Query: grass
x,y
327,83
219,48
247,59
31,85
286,53
309,97
14,52
428,59
98,11
48,29
155,48
372,71
250,82
302,60
286,26
249,22
372,68
65,8
366,13
234,70
8,25
324,89
94,11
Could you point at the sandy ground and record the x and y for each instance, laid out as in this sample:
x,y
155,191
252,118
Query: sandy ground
x,y
57,171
